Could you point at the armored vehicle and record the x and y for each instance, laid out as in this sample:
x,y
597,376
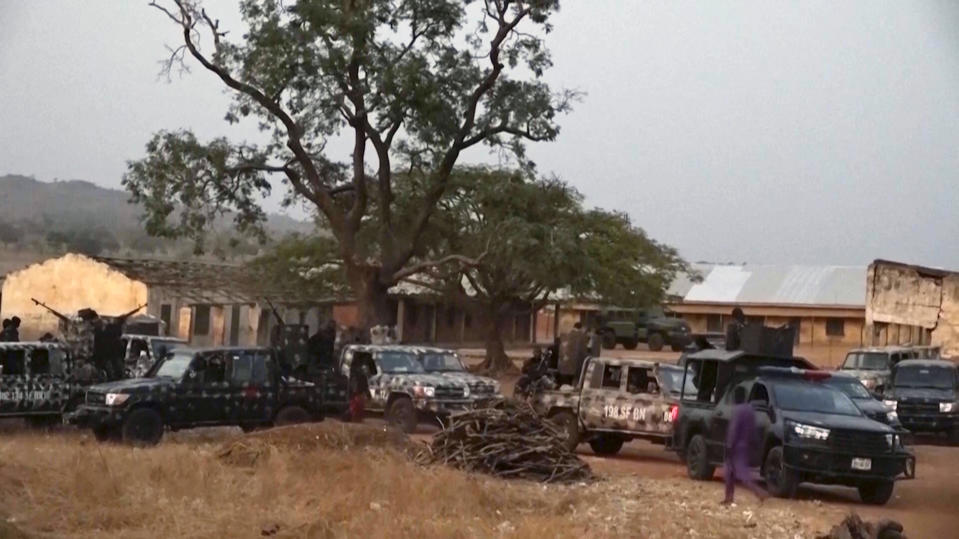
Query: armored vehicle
x,y
808,431
873,366
651,326
404,391
208,387
142,351
925,394
615,400
38,381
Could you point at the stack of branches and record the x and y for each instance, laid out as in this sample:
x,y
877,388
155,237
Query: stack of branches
x,y
854,527
507,442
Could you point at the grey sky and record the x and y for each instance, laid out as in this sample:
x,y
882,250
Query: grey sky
x,y
767,132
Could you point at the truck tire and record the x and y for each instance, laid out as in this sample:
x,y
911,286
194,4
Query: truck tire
x,y
630,344
402,415
780,480
876,492
697,459
675,347
143,427
655,342
291,415
106,434
606,445
569,425
609,340
43,422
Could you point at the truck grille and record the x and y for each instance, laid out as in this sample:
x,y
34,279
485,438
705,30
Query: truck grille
x,y
918,408
449,392
860,443
96,398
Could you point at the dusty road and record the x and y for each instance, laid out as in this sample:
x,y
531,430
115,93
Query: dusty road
x,y
926,506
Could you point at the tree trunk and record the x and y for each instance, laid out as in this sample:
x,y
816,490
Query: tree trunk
x,y
497,361
372,300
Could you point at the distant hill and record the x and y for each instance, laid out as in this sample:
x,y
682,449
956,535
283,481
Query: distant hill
x,y
77,215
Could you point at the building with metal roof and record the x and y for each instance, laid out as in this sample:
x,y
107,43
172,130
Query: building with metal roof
x,y
826,303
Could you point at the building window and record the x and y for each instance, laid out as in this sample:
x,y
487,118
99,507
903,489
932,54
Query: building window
x,y
201,320
166,316
714,323
835,327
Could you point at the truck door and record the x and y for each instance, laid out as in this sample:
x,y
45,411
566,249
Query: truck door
x,y
759,400
251,388
47,392
13,380
205,390
719,424
649,411
603,404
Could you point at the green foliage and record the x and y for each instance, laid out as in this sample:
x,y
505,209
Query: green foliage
x,y
413,82
309,264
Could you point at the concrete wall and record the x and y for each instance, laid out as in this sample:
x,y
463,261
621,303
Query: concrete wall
x,y
912,304
67,284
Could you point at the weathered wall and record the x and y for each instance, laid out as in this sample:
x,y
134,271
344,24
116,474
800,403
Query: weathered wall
x,y
68,284
907,304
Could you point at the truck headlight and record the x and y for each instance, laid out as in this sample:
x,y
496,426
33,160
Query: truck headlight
x,y
891,441
892,416
496,387
810,432
947,407
870,383
116,399
424,391
894,405
466,390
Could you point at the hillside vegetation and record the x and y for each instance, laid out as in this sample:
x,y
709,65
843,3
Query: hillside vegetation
x,y
79,216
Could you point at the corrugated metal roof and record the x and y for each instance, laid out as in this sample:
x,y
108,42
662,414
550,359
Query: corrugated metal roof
x,y
840,286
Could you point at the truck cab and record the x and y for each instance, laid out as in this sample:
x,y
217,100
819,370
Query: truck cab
x,y
615,400
222,386
142,351
37,381
873,366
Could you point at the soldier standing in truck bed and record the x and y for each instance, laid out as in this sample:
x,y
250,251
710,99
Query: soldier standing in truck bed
x,y
734,331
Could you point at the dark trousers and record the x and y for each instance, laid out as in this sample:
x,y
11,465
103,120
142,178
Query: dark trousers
x,y
736,468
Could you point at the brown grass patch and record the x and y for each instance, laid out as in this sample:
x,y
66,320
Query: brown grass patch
x,y
328,480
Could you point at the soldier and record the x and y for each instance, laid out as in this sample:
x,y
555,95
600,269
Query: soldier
x,y
5,333
595,342
359,385
734,331
576,351
14,329
739,443
533,369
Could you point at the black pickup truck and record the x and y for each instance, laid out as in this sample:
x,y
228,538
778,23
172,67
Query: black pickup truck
x,y
208,387
925,394
807,430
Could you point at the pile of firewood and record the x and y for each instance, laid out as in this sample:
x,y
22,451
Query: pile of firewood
x,y
854,527
507,442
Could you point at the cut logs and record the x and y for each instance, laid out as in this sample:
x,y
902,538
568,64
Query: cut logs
x,y
511,441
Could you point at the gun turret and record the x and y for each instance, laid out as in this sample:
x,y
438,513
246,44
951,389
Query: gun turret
x,y
51,309
123,317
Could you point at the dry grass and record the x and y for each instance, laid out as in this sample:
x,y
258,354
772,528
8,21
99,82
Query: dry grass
x,y
326,480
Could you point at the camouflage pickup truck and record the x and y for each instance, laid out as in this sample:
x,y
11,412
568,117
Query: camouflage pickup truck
x,y
408,384
38,382
616,400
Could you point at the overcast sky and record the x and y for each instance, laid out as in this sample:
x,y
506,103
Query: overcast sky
x,y
761,132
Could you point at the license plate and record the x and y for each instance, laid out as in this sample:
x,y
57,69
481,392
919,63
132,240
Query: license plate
x,y
862,464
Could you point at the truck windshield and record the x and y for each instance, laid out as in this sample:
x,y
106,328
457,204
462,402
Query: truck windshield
x,y
175,366
868,361
814,398
441,362
852,388
399,363
672,379
931,377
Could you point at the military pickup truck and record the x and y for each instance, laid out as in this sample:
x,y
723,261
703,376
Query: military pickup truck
x,y
925,394
651,326
410,384
207,387
615,400
807,430
38,382
873,366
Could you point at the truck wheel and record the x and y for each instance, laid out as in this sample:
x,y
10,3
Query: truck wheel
x,y
106,434
291,415
143,427
568,424
43,422
676,347
606,445
630,344
697,459
876,492
402,415
655,342
609,340
780,480
954,435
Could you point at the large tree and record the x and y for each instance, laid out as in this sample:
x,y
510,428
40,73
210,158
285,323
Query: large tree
x,y
538,240
412,83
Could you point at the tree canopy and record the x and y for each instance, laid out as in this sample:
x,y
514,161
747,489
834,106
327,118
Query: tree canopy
x,y
412,83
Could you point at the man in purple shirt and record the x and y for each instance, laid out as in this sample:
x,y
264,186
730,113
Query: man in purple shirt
x,y
740,438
